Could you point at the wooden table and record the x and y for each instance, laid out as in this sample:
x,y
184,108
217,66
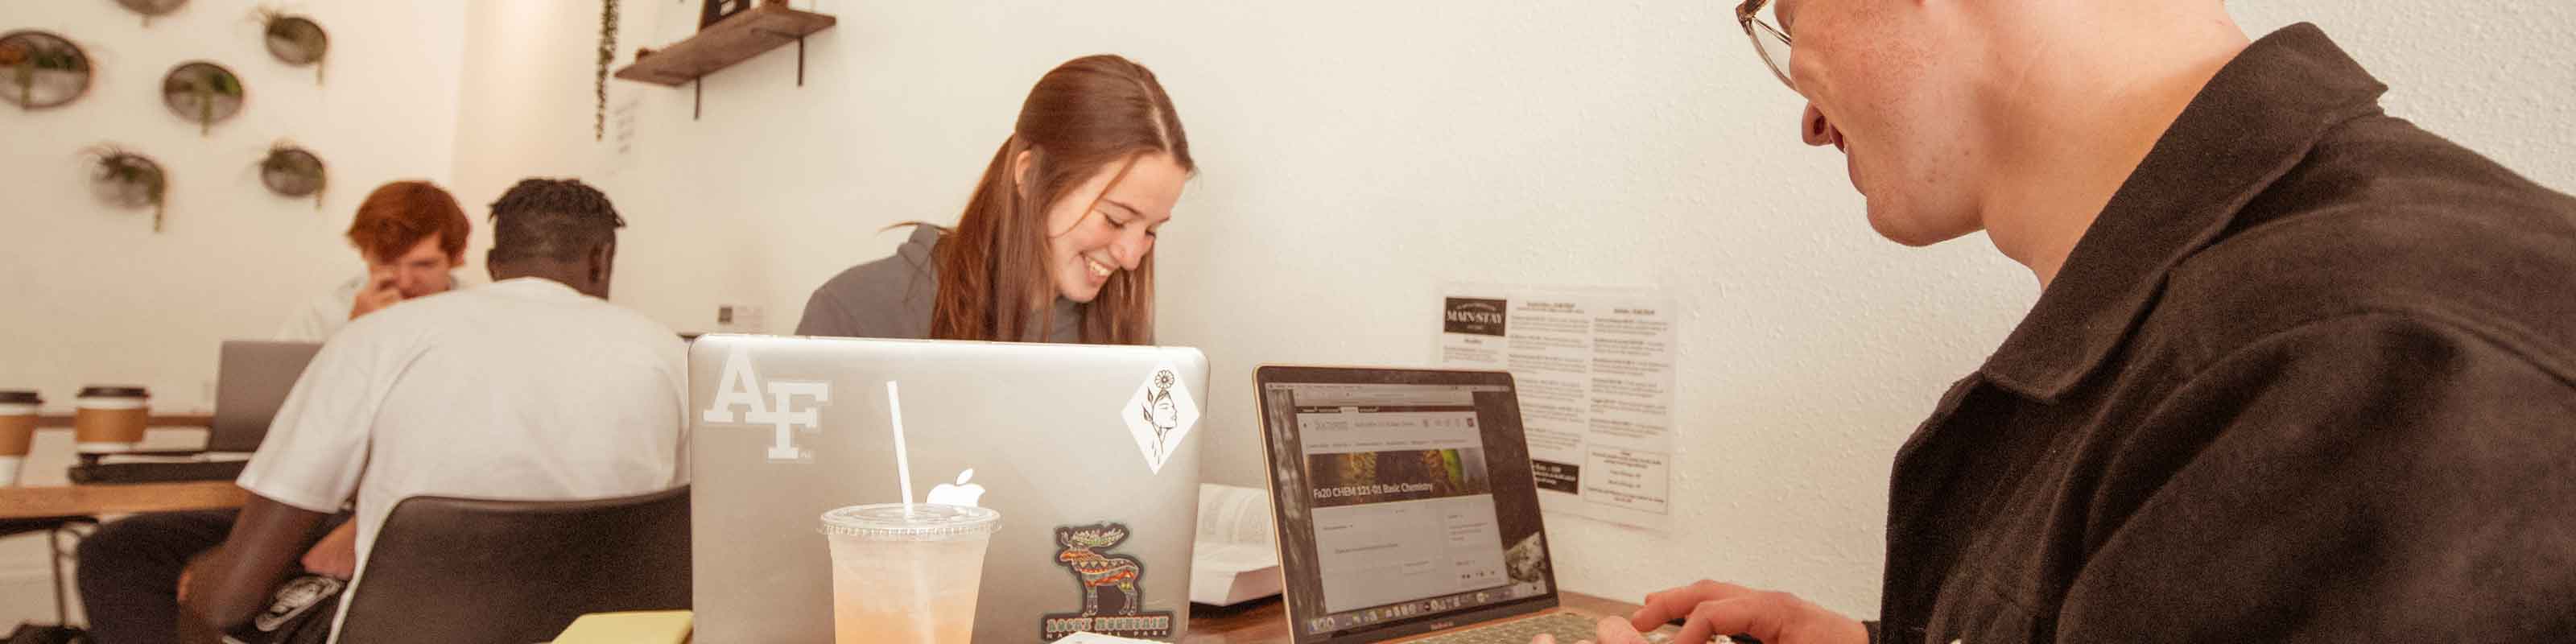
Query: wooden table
x,y
78,500
72,500
1266,621
64,421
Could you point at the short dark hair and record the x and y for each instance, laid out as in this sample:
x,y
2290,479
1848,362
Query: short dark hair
x,y
558,219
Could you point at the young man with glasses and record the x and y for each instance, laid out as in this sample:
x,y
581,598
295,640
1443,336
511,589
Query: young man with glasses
x,y
2299,371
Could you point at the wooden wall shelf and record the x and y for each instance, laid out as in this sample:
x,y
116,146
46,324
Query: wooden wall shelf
x,y
730,41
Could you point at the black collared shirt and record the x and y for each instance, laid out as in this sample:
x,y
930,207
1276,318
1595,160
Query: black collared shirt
x,y
2310,376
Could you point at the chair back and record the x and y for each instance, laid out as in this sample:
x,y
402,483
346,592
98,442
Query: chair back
x,y
477,570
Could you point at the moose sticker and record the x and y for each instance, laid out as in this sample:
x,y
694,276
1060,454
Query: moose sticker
x,y
1160,415
1103,576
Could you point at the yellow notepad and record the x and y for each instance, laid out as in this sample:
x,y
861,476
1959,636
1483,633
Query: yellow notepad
x,y
642,627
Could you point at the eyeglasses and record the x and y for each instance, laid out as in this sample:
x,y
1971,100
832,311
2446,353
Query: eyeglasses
x,y
1770,41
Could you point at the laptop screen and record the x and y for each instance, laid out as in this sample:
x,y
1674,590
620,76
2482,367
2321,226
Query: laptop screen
x,y
1405,500
252,379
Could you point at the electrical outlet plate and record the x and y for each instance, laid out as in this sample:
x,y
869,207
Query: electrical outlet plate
x,y
740,318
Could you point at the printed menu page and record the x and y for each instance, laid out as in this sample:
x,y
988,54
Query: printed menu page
x,y
1594,369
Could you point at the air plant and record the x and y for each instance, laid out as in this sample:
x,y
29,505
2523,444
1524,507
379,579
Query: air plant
x,y
294,39
293,171
202,83
150,8
28,57
127,179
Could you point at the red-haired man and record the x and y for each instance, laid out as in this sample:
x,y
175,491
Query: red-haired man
x,y
412,236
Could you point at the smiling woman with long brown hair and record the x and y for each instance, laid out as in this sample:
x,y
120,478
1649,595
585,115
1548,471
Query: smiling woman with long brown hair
x,y
1057,242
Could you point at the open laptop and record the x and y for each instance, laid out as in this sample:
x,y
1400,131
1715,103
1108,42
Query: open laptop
x,y
1086,451
252,378
1406,510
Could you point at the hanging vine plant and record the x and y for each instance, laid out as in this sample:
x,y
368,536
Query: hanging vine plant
x,y
607,54
126,179
294,40
292,171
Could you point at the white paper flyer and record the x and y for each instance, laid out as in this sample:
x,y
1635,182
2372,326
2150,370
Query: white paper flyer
x,y
1594,369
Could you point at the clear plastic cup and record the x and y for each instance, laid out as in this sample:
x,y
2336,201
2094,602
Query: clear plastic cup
x,y
902,576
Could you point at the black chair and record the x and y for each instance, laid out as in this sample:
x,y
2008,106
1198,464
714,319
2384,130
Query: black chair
x,y
473,570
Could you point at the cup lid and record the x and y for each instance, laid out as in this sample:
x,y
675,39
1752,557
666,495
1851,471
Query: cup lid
x,y
924,522
114,391
20,397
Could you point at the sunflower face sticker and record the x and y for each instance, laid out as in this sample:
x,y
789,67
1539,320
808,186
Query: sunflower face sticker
x,y
1160,415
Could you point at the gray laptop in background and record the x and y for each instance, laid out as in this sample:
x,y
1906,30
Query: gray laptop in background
x,y
1087,451
252,379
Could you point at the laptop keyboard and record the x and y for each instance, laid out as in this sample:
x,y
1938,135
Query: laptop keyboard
x,y
1568,628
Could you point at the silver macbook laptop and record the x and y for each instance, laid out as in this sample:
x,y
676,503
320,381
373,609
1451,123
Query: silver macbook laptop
x,y
1086,451
1406,508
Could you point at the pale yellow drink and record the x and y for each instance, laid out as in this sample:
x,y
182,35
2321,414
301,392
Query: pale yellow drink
x,y
901,576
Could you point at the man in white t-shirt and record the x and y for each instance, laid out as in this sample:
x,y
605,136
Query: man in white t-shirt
x,y
533,387
411,235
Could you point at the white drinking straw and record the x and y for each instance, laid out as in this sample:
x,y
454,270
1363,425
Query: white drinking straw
x,y
902,459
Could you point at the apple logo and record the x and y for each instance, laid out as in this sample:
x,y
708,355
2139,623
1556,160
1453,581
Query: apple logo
x,y
963,493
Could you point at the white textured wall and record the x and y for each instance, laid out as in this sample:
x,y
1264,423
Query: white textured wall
x,y
526,111
94,296
1355,155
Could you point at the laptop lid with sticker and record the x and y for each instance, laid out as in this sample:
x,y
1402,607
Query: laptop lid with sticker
x,y
1090,454
1404,501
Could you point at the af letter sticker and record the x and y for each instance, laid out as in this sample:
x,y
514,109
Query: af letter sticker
x,y
1112,585
740,388
1160,415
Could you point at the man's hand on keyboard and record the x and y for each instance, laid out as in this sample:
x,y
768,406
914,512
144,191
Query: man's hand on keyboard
x,y
1613,631
1723,609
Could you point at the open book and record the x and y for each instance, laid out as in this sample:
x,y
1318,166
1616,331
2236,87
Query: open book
x,y
1236,558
